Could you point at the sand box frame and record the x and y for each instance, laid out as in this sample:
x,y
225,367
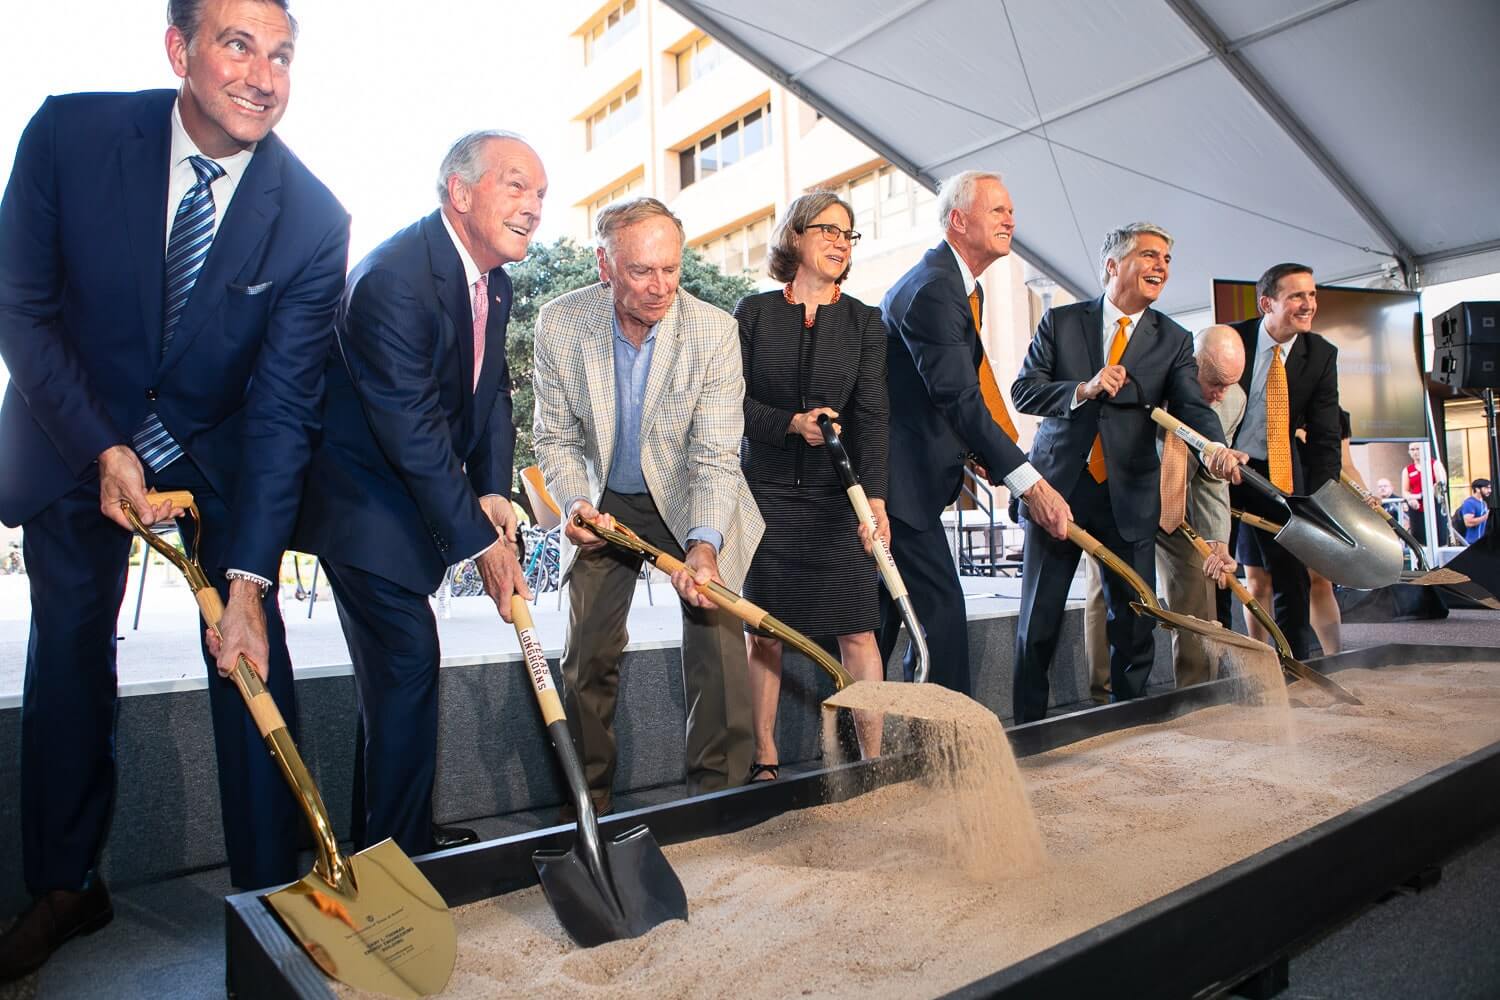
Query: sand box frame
x,y
1172,946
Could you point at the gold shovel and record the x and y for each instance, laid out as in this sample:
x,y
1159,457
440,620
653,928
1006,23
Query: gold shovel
x,y
371,920
622,537
1293,666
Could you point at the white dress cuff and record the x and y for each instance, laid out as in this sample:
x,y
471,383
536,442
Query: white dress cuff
x,y
1022,478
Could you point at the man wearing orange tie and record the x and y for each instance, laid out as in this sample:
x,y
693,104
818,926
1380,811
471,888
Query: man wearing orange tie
x,y
1090,368
946,410
1290,381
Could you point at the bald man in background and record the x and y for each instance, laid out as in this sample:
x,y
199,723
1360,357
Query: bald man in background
x,y
1189,583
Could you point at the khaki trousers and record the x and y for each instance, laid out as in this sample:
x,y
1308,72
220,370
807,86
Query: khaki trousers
x,y
715,679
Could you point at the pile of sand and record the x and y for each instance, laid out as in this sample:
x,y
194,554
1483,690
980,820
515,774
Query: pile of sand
x,y
865,898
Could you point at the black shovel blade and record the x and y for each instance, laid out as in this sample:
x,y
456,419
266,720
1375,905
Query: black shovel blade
x,y
639,889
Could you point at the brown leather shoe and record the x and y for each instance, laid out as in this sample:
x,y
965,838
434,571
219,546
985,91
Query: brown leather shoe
x,y
50,920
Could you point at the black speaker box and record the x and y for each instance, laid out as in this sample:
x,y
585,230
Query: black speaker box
x,y
1468,324
1467,341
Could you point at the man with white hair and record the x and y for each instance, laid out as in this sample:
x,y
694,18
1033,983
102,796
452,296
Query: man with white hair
x,y
946,410
1118,350
413,472
639,415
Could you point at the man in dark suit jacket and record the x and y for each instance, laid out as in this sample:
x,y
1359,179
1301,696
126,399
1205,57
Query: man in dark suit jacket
x,y
147,353
1103,457
414,470
1288,299
941,419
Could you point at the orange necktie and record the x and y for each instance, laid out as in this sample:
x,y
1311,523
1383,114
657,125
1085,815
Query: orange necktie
x,y
1278,436
1174,468
1116,350
988,387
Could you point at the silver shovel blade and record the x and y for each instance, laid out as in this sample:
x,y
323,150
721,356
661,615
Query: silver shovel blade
x,y
1357,550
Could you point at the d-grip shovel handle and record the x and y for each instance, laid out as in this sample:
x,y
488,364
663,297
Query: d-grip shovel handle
x,y
330,864
622,537
888,572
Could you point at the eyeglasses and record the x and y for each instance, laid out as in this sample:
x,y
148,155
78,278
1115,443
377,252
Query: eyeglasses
x,y
831,233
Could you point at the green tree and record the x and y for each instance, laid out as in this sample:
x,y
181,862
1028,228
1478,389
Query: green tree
x,y
550,270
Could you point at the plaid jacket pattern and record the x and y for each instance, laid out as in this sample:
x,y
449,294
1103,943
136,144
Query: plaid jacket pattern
x,y
692,418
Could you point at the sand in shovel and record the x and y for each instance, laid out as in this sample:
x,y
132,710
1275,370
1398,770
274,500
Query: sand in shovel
x,y
988,830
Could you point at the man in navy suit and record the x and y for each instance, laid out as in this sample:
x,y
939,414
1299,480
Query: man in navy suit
x,y
1103,457
947,411
168,278
414,470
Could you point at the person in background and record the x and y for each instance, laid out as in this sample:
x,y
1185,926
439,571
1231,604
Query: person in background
x,y
1476,511
808,349
1411,492
169,272
640,409
947,411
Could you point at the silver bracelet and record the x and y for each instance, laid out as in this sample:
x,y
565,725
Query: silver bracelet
x,y
239,574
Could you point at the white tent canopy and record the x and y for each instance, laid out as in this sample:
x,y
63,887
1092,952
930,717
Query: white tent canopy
x,y
1347,134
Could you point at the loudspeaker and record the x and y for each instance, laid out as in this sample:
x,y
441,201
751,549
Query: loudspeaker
x,y
1467,340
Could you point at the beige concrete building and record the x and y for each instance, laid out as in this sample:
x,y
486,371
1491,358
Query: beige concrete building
x,y
659,108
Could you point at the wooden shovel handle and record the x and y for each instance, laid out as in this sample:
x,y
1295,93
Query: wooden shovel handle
x,y
536,662
177,498
1174,426
1121,568
1236,588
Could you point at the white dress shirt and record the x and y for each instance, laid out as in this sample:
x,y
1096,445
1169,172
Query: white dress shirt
x,y
1111,318
1254,423
181,176
1024,476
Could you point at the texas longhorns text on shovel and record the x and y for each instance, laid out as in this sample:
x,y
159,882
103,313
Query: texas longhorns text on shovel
x,y
888,572
1332,531
622,537
1293,665
601,890
371,920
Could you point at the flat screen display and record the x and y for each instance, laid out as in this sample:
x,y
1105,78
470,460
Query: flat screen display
x,y
1380,382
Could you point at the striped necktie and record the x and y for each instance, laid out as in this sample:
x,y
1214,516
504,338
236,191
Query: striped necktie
x,y
187,247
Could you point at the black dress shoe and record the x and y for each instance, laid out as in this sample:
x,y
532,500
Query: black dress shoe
x,y
50,920
444,837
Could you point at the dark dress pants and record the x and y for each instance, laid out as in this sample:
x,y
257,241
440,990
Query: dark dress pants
x,y
1047,569
715,679
925,560
1289,582
393,640
76,562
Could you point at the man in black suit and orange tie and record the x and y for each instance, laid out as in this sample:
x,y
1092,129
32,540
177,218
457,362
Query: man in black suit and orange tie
x,y
946,410
168,278
1085,356
1290,381
414,470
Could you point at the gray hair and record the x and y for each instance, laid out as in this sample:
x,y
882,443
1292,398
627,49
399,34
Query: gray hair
x,y
782,259
958,192
613,218
186,15
465,158
1120,242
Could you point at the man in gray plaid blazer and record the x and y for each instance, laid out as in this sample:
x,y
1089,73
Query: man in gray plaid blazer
x,y
639,414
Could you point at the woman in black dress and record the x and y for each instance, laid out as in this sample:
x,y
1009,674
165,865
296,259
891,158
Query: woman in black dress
x,y
809,350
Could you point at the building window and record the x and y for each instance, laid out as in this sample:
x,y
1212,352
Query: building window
x,y
614,194
886,202
608,30
742,249
726,147
614,116
698,60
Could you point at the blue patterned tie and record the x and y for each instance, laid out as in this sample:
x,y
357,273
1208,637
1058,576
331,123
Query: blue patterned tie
x,y
192,235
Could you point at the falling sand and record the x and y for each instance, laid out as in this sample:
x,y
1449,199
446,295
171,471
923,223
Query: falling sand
x,y
863,899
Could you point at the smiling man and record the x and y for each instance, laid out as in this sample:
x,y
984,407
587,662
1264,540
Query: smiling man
x,y
946,411
1090,367
639,415
168,278
414,470
1290,380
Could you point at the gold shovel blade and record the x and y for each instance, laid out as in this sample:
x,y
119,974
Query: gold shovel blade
x,y
392,934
